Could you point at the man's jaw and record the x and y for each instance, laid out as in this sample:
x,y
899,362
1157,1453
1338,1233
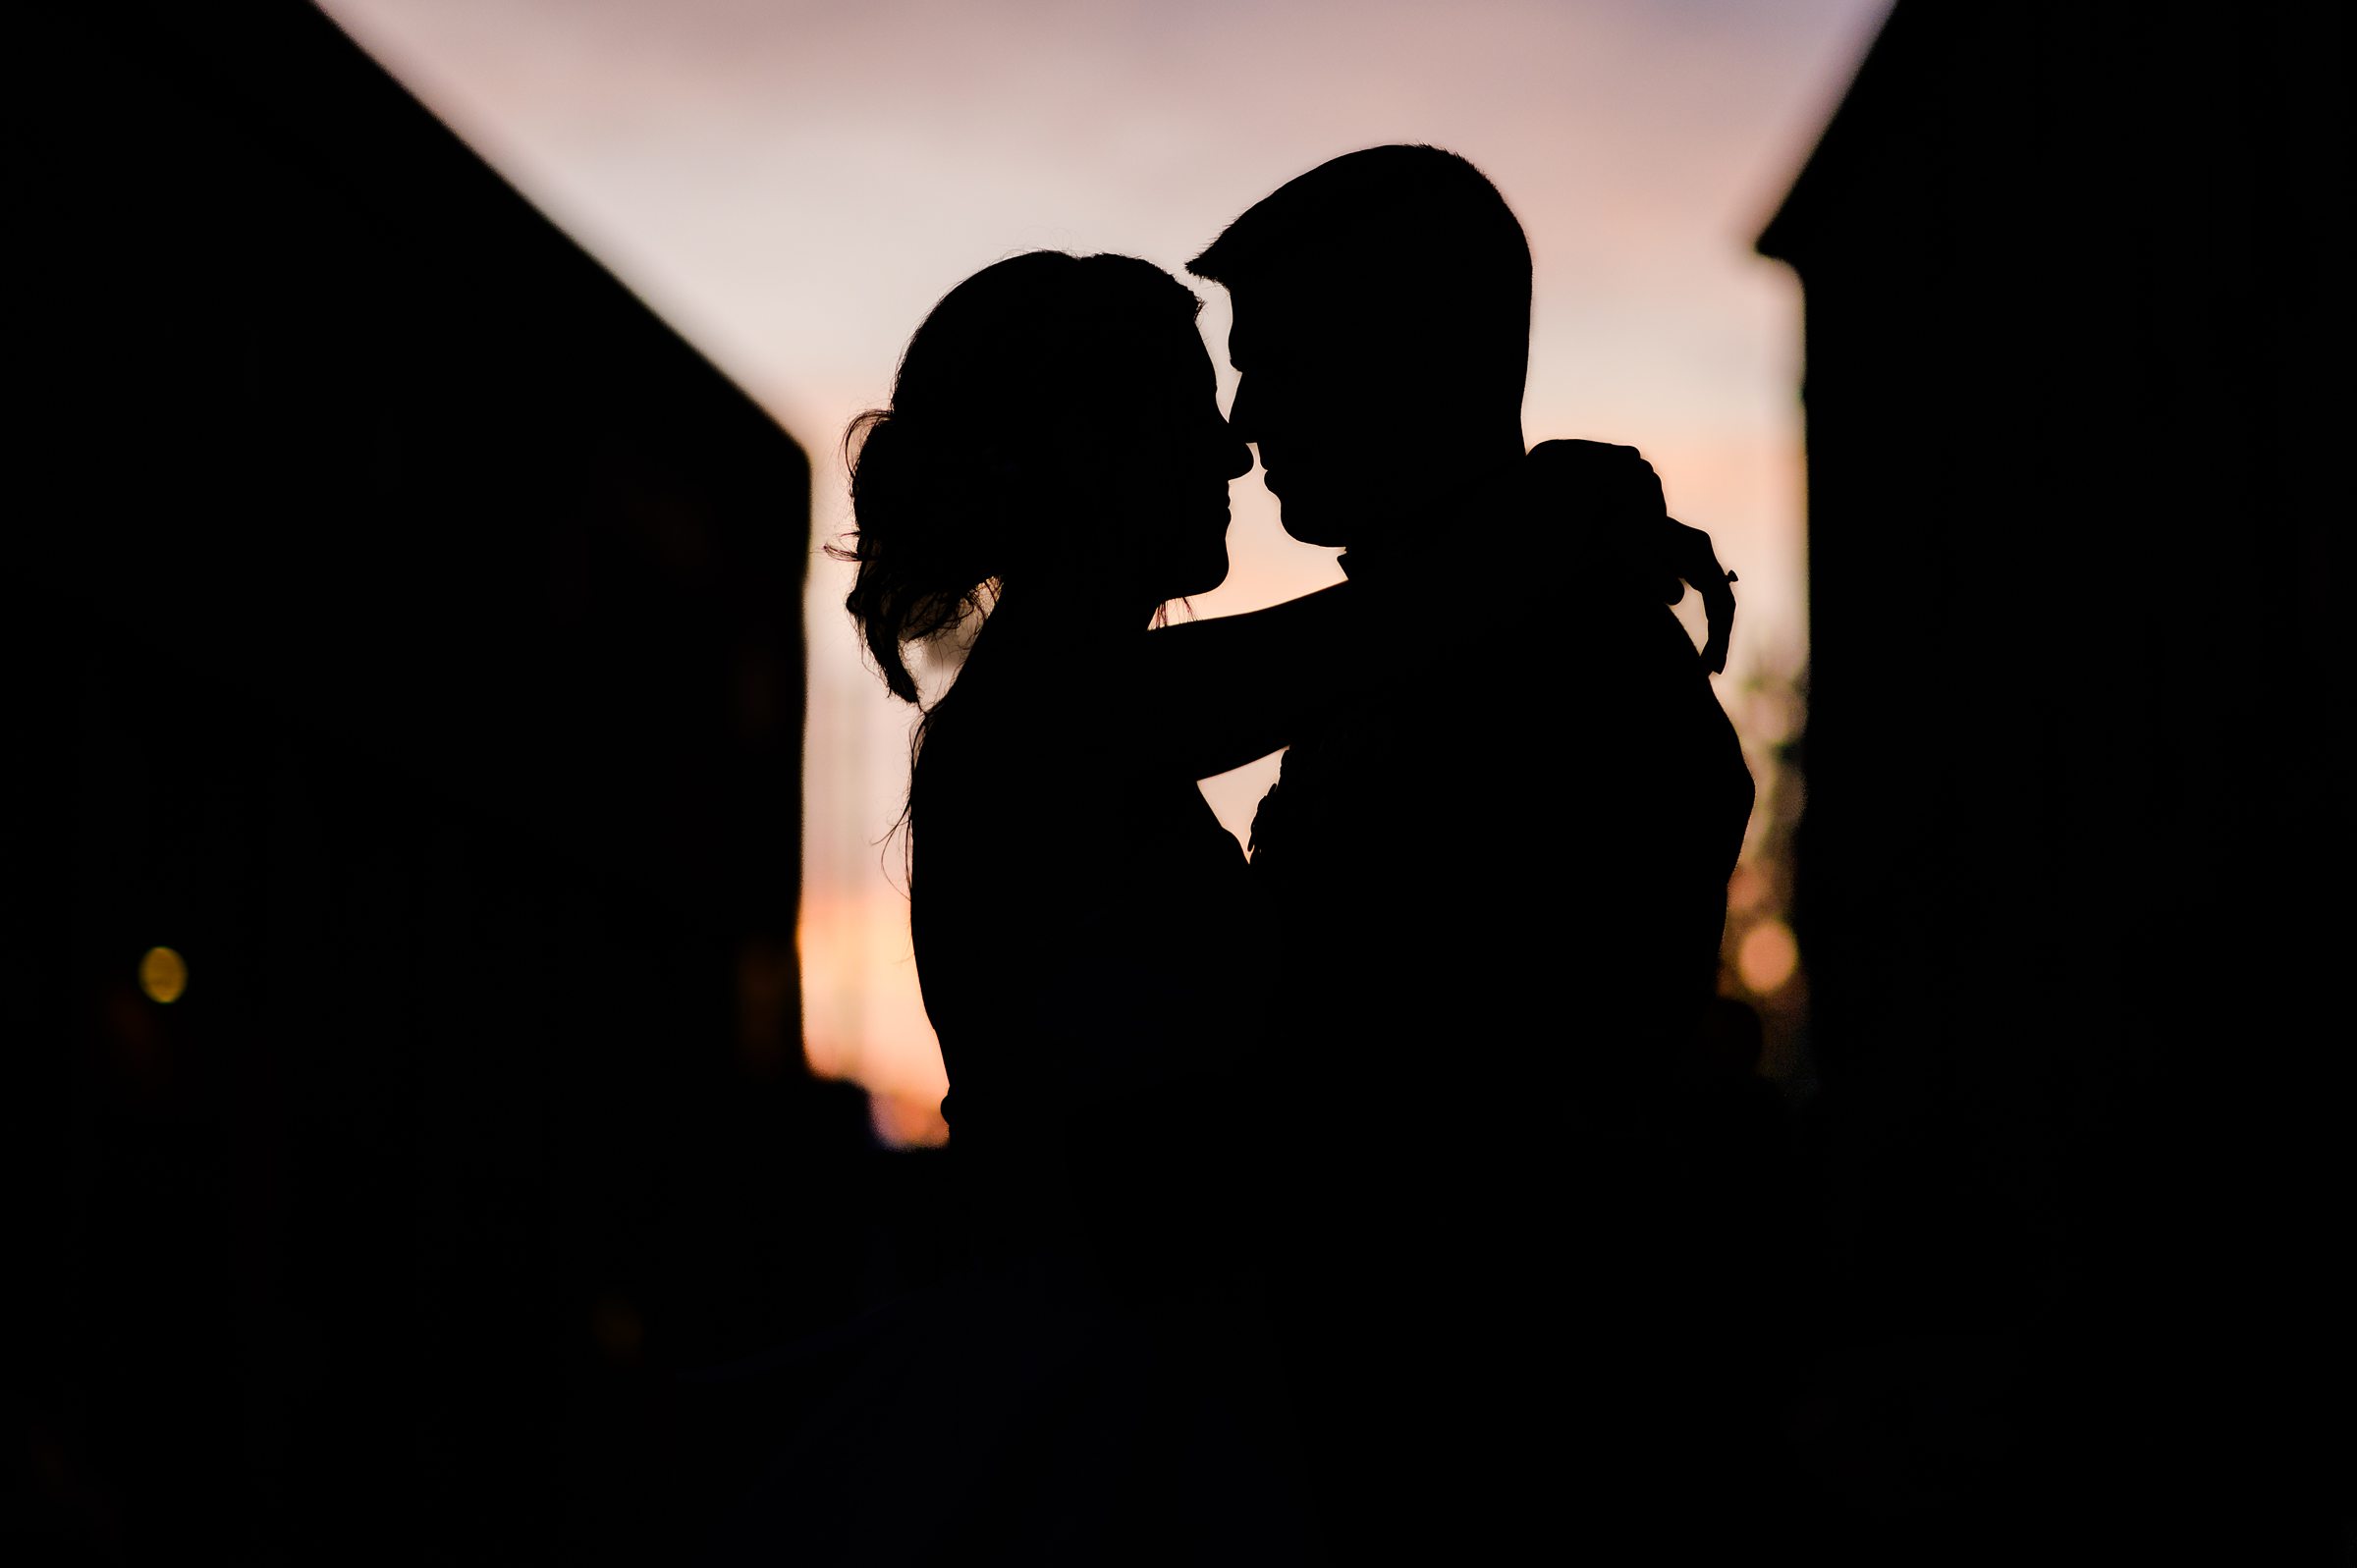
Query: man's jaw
x,y
1343,522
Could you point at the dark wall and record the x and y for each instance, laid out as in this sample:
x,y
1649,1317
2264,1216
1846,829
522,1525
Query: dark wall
x,y
324,401
2074,879
409,629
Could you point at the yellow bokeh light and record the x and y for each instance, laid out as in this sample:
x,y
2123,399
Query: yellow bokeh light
x,y
1768,957
163,975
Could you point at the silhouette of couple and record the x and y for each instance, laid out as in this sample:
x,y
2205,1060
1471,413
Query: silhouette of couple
x,y
1337,1201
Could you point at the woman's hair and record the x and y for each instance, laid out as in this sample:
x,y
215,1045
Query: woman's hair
x,y
945,479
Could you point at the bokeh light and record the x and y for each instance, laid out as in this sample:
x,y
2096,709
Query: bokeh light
x,y
163,975
1768,957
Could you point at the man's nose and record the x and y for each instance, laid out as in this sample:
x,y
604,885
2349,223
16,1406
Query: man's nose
x,y
1237,457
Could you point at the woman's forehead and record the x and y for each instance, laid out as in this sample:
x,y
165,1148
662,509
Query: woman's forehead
x,y
1160,351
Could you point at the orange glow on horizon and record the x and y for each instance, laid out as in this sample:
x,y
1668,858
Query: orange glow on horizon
x,y
1768,957
863,1018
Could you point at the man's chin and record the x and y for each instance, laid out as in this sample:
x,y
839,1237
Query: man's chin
x,y
1316,520
1334,522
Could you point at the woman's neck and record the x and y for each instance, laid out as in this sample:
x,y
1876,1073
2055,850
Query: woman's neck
x,y
1061,634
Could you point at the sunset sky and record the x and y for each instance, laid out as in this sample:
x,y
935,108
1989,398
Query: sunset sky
x,y
792,185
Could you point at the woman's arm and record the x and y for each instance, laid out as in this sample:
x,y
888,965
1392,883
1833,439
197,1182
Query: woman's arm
x,y
1220,693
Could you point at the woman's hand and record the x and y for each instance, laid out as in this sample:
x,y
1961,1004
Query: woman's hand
x,y
1615,498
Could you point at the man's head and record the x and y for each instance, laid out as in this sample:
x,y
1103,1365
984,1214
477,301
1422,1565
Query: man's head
x,y
1383,333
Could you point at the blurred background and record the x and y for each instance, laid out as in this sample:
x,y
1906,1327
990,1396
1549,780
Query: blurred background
x,y
484,995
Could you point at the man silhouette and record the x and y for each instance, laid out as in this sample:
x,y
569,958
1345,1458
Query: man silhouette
x,y
1495,879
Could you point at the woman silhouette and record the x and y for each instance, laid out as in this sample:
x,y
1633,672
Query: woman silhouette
x,y
1094,1386
1054,466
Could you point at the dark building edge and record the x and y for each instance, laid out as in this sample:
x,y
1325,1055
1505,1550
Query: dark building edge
x,y
2073,880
